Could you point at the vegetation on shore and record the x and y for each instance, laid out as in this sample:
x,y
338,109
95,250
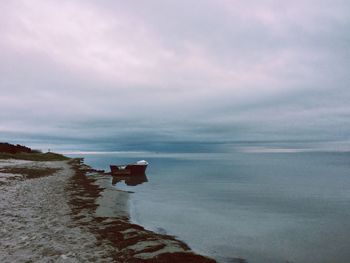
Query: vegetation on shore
x,y
19,152
35,156
11,148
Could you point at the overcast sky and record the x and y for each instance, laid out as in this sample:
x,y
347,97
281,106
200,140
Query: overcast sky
x,y
106,72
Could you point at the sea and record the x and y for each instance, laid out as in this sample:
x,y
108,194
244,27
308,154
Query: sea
x,y
253,204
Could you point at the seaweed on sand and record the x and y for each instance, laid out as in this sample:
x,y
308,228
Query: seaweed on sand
x,y
132,242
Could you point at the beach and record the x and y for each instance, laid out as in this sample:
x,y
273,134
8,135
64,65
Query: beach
x,y
65,211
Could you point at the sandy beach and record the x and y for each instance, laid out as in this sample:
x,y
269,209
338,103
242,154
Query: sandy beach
x,y
64,211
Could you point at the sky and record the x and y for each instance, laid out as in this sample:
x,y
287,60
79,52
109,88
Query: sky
x,y
164,74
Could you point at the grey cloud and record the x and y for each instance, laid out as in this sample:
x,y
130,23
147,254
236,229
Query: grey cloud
x,y
196,71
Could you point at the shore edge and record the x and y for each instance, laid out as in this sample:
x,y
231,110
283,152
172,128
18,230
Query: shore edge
x,y
102,210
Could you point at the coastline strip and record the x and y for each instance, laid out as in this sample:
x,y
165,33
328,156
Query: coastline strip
x,y
89,200
65,211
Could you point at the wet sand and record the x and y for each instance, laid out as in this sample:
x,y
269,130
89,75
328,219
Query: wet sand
x,y
64,211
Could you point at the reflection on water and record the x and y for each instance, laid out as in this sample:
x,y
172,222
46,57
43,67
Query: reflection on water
x,y
129,180
276,206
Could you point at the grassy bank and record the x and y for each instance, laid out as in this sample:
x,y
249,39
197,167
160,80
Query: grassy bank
x,y
34,156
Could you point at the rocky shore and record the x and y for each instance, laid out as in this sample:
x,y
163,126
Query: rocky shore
x,y
64,211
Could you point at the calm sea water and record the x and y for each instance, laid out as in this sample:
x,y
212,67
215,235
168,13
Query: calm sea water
x,y
262,207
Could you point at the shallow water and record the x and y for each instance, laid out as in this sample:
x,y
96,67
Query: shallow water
x,y
262,207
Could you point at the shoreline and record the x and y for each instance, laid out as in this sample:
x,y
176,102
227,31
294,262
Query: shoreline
x,y
87,220
133,241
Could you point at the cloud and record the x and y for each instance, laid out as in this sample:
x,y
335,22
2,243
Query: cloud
x,y
174,70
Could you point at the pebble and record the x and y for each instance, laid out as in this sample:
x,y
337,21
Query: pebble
x,y
36,222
